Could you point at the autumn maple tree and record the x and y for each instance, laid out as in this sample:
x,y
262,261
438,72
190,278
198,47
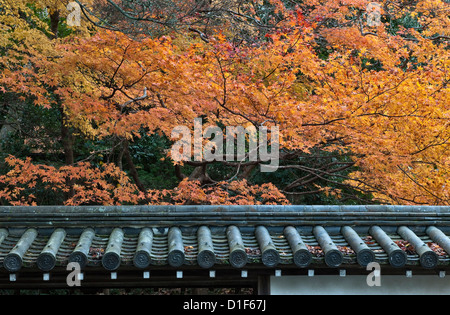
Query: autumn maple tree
x,y
363,109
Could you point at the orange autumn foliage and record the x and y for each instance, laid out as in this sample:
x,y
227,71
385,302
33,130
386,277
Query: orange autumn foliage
x,y
107,185
379,96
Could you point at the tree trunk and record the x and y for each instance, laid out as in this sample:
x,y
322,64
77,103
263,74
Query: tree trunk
x,y
133,172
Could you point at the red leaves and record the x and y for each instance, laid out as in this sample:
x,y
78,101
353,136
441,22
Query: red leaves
x,y
410,250
317,251
96,252
222,193
369,240
393,119
406,246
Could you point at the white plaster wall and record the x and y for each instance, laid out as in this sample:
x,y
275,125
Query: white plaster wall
x,y
357,285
